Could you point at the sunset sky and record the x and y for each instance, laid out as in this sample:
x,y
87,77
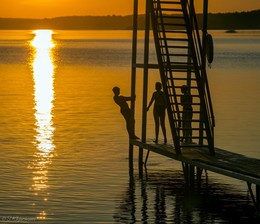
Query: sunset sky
x,y
55,8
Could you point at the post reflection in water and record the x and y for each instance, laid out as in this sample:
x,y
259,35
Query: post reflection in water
x,y
43,75
162,197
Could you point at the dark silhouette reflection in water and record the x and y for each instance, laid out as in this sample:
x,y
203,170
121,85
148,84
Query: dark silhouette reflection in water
x,y
163,198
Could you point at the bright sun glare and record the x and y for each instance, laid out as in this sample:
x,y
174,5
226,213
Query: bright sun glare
x,y
43,75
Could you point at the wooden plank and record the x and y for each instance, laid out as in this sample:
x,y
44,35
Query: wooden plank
x,y
224,162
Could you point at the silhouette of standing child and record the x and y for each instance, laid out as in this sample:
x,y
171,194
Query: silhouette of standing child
x,y
186,101
121,101
158,98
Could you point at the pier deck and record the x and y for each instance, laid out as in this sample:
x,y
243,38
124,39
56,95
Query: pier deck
x,y
224,162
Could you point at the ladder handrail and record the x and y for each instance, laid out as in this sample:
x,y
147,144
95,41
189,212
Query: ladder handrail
x,y
199,56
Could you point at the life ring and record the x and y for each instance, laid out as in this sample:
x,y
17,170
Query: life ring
x,y
209,48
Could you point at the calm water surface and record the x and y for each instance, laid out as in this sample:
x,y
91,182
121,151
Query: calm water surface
x,y
63,142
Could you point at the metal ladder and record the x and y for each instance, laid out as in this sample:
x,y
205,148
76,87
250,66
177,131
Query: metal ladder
x,y
180,59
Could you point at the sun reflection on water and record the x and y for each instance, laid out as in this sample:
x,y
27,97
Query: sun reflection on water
x,y
43,75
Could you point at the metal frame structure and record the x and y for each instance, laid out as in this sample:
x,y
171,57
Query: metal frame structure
x,y
191,168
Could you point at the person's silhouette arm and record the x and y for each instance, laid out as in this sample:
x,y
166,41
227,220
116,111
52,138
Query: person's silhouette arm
x,y
129,98
151,102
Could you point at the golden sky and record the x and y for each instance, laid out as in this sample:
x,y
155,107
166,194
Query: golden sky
x,y
55,8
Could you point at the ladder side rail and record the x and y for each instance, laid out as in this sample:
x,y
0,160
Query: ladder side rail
x,y
155,11
190,18
198,46
198,54
207,92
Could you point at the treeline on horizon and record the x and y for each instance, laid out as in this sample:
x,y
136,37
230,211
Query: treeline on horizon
x,y
237,20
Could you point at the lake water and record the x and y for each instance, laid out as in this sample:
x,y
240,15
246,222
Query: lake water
x,y
64,147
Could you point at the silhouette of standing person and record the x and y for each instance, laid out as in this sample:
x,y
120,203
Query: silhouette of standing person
x,y
158,98
186,101
121,101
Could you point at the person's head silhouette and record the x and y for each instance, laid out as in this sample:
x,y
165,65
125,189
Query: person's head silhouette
x,y
116,90
158,86
184,89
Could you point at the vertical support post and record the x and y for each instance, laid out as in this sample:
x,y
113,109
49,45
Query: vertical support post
x,y
204,39
185,172
192,177
133,77
145,81
199,176
257,187
205,28
189,53
188,82
203,63
189,176
131,197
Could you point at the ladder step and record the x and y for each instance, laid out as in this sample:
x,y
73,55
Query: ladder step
x,y
168,2
192,104
182,79
181,70
175,46
193,96
179,66
171,24
177,55
193,137
173,31
172,16
193,121
193,129
174,39
171,10
179,87
193,112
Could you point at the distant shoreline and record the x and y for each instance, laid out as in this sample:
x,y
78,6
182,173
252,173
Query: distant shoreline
x,y
217,21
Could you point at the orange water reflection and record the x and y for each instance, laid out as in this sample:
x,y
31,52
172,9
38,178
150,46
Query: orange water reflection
x,y
43,76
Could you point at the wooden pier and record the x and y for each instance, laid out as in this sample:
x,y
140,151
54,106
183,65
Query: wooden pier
x,y
224,162
195,159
